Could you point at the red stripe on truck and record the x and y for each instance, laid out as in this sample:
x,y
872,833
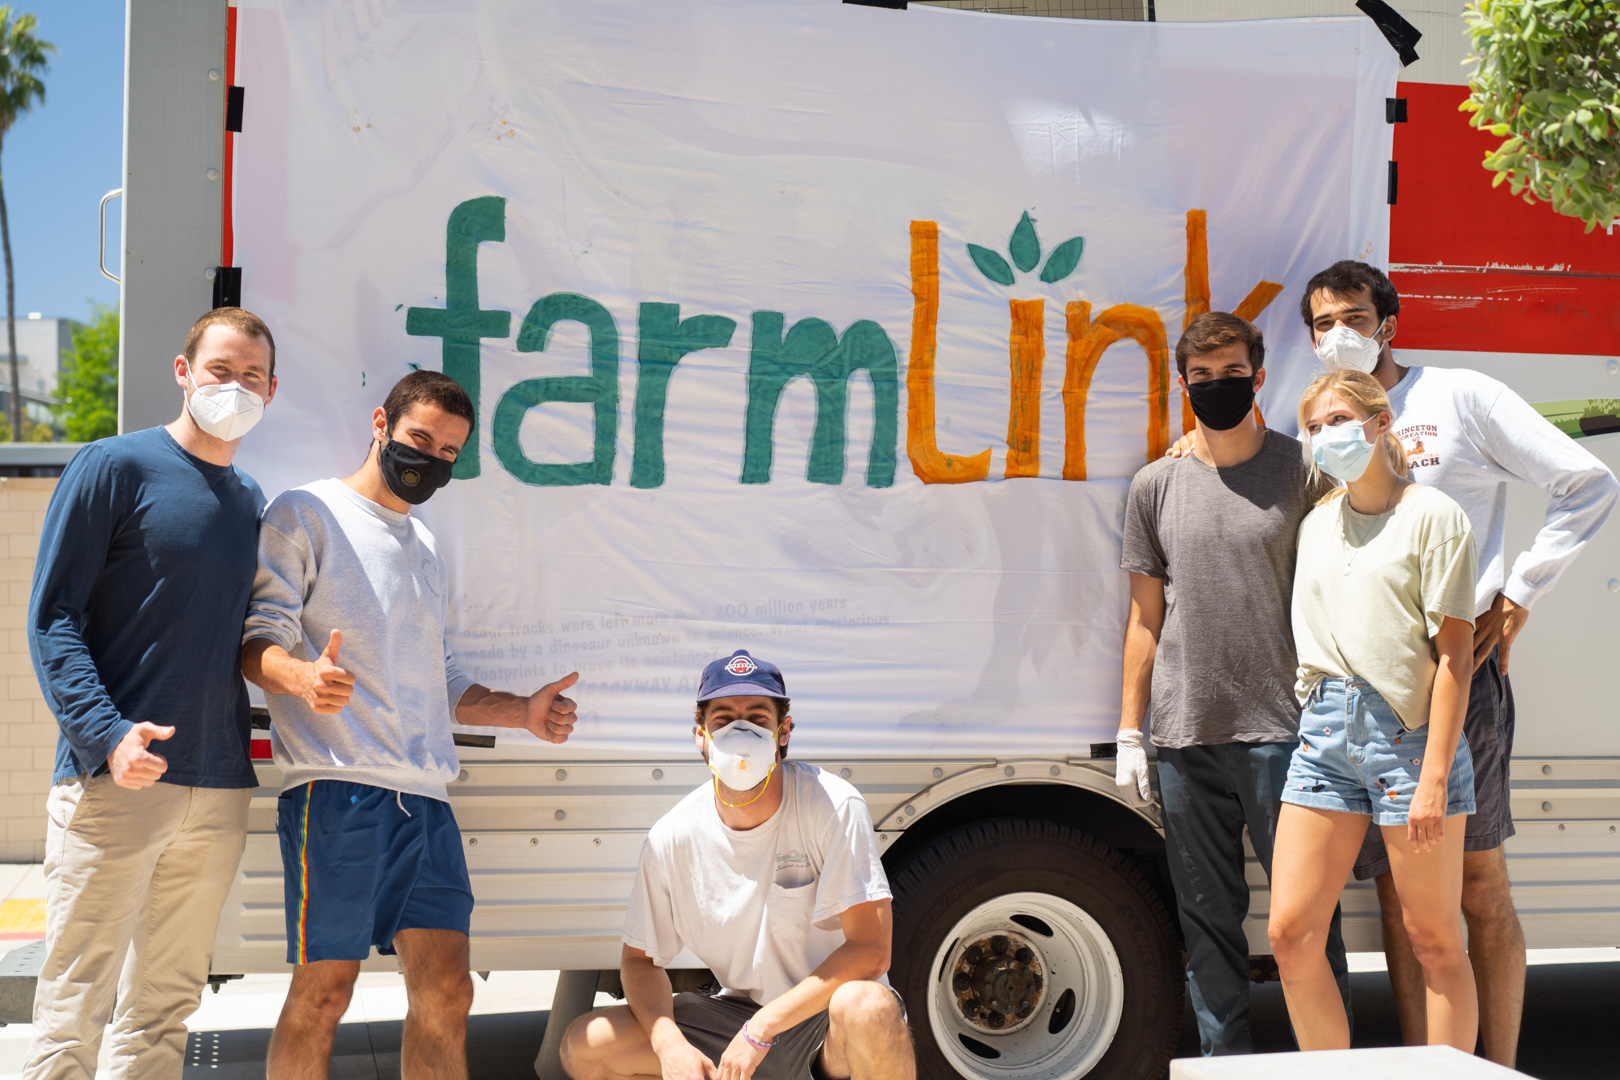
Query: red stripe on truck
x,y
1482,271
227,235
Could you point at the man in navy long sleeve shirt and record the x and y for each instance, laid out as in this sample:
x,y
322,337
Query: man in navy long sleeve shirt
x,y
145,568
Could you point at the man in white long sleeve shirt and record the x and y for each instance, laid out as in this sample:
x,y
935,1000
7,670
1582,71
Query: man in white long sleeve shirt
x,y
346,634
1469,435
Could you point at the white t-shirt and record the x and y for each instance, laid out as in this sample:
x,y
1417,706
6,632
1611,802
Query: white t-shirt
x,y
1468,435
758,907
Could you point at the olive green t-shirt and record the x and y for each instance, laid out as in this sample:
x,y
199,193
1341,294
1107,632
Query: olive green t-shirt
x,y
1371,590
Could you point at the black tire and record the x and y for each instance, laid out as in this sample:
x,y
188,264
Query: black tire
x,y
974,864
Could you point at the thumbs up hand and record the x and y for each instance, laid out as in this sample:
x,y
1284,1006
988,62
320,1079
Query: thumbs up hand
x,y
550,715
327,687
132,765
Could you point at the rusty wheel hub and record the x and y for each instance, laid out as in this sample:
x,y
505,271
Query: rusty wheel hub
x,y
998,982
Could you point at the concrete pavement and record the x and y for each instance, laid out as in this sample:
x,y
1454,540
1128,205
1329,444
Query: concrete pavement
x,y
1568,1026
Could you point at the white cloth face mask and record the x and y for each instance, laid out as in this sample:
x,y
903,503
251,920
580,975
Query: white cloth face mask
x,y
1342,347
227,411
742,755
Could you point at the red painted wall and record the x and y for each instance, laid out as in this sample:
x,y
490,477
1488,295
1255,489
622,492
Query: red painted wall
x,y
1479,270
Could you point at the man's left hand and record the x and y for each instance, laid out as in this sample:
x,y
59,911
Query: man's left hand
x,y
741,1058
550,715
1501,625
1513,619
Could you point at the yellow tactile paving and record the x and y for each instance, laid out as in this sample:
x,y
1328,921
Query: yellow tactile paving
x,y
22,917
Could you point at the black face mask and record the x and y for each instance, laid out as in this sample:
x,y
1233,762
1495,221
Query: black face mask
x,y
412,475
1221,404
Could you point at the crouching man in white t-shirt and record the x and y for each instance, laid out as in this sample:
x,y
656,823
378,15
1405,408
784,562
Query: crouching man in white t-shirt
x,y
771,877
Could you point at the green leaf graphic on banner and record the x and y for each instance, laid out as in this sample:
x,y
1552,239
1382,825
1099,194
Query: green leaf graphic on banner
x,y
1024,248
1064,258
1582,419
991,265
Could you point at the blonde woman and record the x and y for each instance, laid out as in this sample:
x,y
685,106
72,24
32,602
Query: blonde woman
x,y
1383,613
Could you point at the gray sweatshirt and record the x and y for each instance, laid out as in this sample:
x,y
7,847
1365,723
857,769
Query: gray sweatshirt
x,y
331,559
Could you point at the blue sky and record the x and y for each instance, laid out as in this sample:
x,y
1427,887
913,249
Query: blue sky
x,y
61,158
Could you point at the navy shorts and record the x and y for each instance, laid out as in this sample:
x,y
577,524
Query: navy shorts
x,y
1488,727
361,863
1356,758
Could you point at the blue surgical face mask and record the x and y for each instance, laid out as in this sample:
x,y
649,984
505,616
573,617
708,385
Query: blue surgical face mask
x,y
1342,450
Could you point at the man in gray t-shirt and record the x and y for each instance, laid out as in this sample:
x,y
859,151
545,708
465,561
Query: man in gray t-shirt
x,y
1219,544
1209,545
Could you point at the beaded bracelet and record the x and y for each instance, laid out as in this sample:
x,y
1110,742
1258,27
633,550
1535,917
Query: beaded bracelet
x,y
755,1043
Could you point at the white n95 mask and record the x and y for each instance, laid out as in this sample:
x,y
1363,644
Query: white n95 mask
x,y
226,411
742,755
1342,347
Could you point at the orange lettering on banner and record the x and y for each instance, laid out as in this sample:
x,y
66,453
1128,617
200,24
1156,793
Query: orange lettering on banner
x,y
1027,352
1196,277
1087,342
1259,298
922,447
1197,295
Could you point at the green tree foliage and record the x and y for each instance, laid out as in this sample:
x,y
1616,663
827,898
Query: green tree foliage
x,y
88,385
33,431
22,62
1549,79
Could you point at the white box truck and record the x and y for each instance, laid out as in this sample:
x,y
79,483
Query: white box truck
x,y
836,331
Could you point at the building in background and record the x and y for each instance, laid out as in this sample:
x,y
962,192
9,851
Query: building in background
x,y
43,346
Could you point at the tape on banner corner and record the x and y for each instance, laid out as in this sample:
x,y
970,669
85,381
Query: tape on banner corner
x,y
227,286
1401,35
1395,110
894,5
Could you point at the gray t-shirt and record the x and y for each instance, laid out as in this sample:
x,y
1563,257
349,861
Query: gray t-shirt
x,y
1223,540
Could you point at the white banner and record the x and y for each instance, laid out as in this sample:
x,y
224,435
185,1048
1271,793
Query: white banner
x,y
827,331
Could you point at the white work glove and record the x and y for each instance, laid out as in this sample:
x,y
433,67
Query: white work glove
x,y
1130,767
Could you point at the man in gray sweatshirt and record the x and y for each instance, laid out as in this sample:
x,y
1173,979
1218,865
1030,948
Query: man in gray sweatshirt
x,y
370,850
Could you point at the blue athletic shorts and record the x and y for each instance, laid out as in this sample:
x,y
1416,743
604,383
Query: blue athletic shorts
x,y
1355,757
361,863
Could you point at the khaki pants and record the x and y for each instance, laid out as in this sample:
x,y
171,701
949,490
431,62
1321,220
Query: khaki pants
x,y
134,883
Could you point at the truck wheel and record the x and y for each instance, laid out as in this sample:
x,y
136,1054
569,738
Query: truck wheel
x,y
1025,949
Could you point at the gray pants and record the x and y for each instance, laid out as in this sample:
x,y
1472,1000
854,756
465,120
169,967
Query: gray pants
x,y
1210,793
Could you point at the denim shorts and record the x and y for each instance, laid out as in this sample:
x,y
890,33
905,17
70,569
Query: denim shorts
x,y
1355,757
1488,727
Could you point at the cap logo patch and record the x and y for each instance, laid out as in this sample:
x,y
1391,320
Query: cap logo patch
x,y
741,665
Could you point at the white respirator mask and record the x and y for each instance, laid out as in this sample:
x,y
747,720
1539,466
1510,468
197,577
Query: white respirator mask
x,y
1342,347
742,756
226,411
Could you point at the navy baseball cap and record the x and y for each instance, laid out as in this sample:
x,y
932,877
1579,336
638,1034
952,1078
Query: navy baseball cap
x,y
740,675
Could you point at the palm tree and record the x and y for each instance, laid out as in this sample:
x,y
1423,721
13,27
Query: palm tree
x,y
22,62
